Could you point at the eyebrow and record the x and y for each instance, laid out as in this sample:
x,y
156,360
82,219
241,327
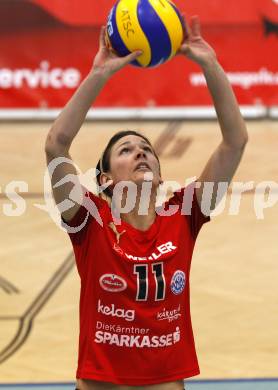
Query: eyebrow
x,y
128,142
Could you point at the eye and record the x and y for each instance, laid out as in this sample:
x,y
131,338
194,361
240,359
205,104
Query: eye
x,y
147,148
124,150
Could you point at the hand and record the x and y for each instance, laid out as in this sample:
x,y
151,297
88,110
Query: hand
x,y
106,62
194,46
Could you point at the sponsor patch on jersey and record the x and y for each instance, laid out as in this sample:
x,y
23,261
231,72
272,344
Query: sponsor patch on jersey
x,y
138,341
112,283
112,310
178,282
169,315
160,251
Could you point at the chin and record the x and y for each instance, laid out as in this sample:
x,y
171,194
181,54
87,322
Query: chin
x,y
144,175
154,183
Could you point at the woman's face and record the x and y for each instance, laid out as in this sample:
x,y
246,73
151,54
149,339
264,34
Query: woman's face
x,y
131,158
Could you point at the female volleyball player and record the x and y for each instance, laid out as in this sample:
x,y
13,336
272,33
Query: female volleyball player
x,y
134,259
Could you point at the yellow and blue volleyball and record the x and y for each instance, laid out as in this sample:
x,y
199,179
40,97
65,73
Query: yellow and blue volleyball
x,y
153,26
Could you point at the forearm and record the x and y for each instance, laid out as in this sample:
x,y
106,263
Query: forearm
x,y
71,118
230,119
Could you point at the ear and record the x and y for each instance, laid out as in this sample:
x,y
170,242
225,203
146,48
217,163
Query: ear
x,y
161,181
105,179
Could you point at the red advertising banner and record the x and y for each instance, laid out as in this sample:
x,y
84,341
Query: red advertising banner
x,y
47,47
87,12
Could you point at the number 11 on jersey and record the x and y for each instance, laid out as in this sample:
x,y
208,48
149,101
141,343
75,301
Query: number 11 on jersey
x,y
141,270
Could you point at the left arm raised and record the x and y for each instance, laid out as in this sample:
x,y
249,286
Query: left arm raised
x,y
224,161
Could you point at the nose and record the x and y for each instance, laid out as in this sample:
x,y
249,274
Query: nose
x,y
140,153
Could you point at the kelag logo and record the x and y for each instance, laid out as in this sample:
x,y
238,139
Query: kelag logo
x,y
128,315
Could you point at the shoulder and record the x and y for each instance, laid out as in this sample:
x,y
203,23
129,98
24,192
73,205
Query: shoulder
x,y
187,204
91,209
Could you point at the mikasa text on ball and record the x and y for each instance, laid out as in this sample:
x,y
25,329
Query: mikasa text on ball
x,y
153,26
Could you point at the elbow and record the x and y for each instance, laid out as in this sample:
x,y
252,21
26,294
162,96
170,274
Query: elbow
x,y
244,141
48,146
56,146
238,143
244,137
51,150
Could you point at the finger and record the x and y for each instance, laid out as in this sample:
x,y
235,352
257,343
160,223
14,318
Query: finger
x,y
195,26
107,42
185,28
102,38
184,49
132,56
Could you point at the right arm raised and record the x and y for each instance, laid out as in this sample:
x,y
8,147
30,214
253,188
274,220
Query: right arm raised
x,y
71,118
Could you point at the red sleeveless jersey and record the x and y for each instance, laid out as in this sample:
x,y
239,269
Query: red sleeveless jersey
x,y
135,326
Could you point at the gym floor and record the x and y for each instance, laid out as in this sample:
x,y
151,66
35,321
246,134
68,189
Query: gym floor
x,y
234,274
262,384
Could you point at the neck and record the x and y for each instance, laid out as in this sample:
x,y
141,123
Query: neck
x,y
141,222
142,215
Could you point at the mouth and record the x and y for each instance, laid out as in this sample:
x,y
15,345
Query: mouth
x,y
142,166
